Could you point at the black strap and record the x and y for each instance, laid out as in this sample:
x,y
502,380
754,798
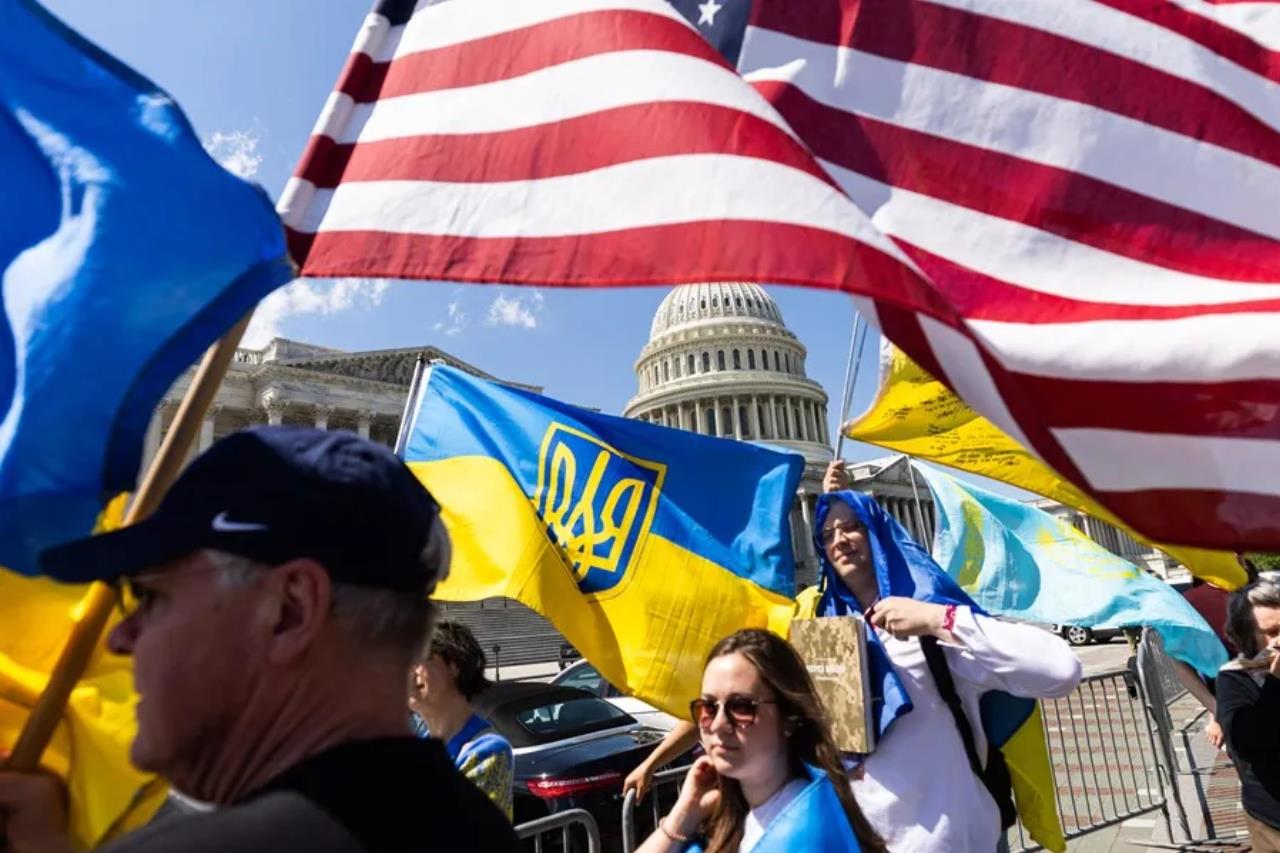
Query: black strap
x,y
995,776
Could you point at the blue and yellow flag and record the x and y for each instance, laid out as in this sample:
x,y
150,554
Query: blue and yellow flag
x,y
1017,560
90,747
643,545
125,250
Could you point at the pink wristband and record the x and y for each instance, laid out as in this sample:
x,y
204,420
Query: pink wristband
x,y
949,618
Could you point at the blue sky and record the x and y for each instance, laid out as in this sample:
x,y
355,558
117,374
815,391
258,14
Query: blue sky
x,y
252,76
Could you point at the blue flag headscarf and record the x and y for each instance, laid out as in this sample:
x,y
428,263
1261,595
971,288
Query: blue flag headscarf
x,y
903,568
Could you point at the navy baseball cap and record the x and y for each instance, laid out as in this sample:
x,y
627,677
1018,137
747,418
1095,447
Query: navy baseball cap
x,y
274,494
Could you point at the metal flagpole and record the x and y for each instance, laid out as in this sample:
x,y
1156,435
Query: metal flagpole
x,y
420,372
854,366
848,381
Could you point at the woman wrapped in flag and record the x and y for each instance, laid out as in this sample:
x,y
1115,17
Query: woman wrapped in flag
x,y
771,780
920,788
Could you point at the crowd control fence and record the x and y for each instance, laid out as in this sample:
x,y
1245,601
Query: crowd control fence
x,y
1107,762
572,830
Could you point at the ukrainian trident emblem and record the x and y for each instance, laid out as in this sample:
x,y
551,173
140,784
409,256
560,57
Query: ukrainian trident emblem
x,y
597,504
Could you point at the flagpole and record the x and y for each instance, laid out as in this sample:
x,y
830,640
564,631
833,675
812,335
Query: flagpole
x,y
851,369
406,417
95,608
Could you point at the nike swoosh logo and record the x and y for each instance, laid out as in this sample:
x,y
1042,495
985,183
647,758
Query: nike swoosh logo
x,y
222,524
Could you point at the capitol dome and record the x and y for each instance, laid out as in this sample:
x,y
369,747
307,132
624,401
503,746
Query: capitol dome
x,y
721,361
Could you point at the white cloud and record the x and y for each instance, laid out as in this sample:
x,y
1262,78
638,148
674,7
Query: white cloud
x,y
520,311
237,151
454,323
311,296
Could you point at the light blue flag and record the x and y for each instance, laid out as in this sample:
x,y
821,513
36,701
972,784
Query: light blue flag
x,y
125,251
1019,561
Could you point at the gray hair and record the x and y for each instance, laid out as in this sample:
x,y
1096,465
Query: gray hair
x,y
396,621
1242,627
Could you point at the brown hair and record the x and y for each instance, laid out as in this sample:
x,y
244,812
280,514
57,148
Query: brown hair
x,y
808,741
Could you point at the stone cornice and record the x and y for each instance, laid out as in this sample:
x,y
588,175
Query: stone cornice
x,y
385,367
719,337
674,392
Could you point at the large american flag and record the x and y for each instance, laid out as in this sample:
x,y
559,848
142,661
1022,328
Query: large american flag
x,y
1066,210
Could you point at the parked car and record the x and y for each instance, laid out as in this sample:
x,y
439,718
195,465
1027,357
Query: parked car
x,y
572,751
1078,635
586,677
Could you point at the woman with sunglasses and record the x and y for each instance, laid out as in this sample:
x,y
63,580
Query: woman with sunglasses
x,y
771,779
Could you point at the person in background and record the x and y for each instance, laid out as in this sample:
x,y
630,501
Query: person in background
x,y
273,604
771,779
444,683
1249,707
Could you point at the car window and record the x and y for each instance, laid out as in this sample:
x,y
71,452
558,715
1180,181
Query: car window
x,y
584,677
573,717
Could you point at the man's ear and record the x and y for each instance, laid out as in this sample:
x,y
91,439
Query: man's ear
x,y
303,593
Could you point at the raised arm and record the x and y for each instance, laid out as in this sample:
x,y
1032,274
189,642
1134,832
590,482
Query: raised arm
x,y
1019,659
679,739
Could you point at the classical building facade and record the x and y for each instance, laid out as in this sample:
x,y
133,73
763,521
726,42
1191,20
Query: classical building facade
x,y
296,383
720,361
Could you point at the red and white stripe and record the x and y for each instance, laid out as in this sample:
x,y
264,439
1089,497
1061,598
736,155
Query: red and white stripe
x,y
1094,185
571,142
1079,197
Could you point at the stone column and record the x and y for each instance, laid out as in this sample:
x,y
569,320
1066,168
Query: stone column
x,y
812,421
755,419
322,413
697,417
804,420
737,420
206,427
773,417
274,405
363,421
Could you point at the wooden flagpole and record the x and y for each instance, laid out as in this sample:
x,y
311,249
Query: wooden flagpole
x,y
95,608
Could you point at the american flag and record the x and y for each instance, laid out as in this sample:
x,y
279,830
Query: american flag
x,y
1067,211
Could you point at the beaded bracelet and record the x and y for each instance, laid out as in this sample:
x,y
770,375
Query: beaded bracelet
x,y
674,836
949,618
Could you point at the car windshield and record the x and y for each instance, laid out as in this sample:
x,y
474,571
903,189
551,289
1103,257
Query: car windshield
x,y
570,718
584,677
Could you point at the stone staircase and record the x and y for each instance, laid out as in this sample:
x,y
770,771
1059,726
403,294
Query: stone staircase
x,y
526,637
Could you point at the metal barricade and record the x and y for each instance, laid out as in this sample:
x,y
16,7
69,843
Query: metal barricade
x,y
661,795
1105,757
1163,687
546,829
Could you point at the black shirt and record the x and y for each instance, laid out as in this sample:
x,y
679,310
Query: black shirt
x,y
1250,719
388,794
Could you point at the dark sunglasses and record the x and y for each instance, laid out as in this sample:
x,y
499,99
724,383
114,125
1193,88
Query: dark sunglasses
x,y
741,710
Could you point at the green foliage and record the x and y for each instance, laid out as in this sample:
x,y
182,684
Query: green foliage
x,y
1265,562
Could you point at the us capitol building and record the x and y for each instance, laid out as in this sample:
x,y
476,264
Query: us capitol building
x,y
720,361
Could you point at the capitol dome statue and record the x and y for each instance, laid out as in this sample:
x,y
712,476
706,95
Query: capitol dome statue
x,y
720,361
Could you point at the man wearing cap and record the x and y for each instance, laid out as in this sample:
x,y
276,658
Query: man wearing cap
x,y
275,603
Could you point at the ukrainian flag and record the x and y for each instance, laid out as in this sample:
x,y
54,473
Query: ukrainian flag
x,y
643,545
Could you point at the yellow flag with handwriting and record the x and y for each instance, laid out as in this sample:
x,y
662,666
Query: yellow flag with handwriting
x,y
917,415
90,749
